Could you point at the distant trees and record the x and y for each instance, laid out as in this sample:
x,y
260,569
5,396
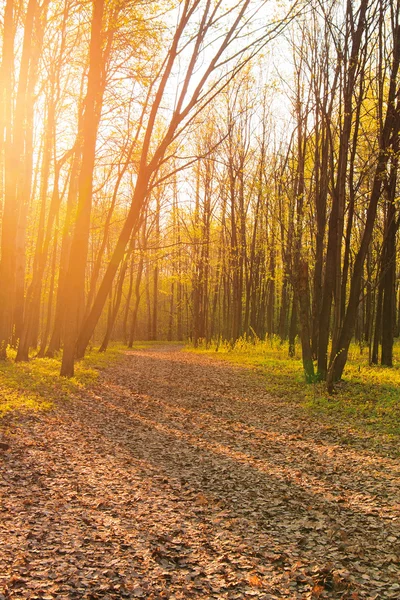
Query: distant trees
x,y
155,182
207,22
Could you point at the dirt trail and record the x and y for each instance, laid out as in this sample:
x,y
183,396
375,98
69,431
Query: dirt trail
x,y
178,476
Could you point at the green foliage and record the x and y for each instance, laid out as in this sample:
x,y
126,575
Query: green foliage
x,y
37,386
368,399
283,375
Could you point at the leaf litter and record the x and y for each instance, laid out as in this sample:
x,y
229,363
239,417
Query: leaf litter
x,y
178,476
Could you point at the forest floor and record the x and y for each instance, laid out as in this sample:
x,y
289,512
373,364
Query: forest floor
x,y
176,475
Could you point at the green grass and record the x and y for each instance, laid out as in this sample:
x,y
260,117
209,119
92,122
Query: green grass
x,y
37,386
367,399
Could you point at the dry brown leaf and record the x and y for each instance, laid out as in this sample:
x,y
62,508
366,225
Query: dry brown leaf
x,y
255,581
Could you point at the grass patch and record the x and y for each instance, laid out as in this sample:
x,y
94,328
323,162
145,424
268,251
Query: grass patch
x,y
368,398
142,345
37,386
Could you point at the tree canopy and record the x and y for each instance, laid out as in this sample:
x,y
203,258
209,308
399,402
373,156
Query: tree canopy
x,y
200,170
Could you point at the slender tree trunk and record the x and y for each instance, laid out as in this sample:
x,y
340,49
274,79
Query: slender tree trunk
x,y
304,318
367,304
32,305
128,303
43,341
79,247
332,282
14,166
293,327
116,305
390,132
171,313
137,301
24,184
389,278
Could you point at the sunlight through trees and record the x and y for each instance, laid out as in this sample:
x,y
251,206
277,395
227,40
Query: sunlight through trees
x,y
200,171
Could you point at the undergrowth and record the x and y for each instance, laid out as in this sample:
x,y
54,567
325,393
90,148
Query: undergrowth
x,y
36,385
367,398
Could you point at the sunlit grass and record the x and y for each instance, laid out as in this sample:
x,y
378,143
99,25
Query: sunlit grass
x,y
368,398
37,386
143,344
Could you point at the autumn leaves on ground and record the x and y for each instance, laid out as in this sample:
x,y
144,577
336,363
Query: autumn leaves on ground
x,y
177,475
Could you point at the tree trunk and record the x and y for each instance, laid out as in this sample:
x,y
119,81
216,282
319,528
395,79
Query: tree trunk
x,y
79,247
137,301
14,161
391,130
293,328
303,296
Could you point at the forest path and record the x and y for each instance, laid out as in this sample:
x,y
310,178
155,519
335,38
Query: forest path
x,y
178,476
